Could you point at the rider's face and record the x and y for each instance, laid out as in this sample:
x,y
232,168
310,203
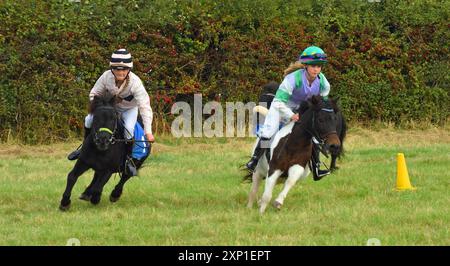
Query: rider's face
x,y
313,70
120,74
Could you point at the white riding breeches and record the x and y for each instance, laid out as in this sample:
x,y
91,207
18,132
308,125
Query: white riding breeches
x,y
271,123
129,117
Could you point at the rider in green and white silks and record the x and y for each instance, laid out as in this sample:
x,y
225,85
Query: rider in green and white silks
x,y
302,80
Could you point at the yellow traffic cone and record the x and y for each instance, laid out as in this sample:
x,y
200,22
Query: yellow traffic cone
x,y
402,174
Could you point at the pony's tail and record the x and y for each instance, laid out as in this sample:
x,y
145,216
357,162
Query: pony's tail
x,y
248,175
342,136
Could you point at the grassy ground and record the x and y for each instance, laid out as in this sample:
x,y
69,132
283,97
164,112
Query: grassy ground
x,y
190,193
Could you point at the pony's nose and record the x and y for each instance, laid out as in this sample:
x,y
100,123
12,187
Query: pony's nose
x,y
334,147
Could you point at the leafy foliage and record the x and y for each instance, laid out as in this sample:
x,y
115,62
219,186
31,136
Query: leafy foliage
x,y
388,60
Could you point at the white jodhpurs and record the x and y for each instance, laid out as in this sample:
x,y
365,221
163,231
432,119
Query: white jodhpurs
x,y
129,118
271,123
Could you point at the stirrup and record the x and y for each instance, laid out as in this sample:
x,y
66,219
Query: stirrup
x,y
319,174
130,167
322,173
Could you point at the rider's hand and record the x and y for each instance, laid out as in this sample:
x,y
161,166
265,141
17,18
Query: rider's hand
x,y
295,117
150,137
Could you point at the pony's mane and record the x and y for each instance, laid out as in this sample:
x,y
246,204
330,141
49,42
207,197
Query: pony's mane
x,y
101,101
319,102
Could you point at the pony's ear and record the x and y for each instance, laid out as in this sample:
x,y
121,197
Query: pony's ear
x,y
315,100
96,99
112,101
335,99
334,103
94,103
304,107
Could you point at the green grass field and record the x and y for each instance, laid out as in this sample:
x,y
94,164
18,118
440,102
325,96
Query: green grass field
x,y
190,193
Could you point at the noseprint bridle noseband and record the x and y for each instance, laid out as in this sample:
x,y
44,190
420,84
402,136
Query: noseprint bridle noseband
x,y
317,138
316,134
111,139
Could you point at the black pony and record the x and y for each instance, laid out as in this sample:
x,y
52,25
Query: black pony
x,y
103,151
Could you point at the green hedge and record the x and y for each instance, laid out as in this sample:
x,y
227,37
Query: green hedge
x,y
388,60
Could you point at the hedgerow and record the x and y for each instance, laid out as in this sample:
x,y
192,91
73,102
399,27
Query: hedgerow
x,y
388,59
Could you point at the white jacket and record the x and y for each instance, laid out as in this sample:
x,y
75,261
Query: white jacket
x,y
106,85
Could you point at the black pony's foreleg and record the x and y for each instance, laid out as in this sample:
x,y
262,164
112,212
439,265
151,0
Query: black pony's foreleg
x,y
333,163
87,194
72,178
117,192
118,189
97,187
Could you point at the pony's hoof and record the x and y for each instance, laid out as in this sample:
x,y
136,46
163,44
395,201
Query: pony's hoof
x,y
64,205
85,197
277,205
113,199
64,208
115,195
262,209
95,199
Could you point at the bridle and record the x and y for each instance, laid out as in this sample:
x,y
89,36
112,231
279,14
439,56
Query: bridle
x,y
316,137
314,130
112,139
112,132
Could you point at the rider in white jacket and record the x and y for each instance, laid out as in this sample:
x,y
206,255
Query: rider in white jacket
x,y
132,98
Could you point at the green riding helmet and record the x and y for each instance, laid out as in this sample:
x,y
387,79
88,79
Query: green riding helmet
x,y
313,55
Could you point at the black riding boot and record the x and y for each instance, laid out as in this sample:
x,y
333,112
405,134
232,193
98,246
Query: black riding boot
x,y
259,151
130,167
315,164
76,153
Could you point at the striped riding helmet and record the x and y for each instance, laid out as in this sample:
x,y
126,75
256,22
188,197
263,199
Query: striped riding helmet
x,y
313,55
121,59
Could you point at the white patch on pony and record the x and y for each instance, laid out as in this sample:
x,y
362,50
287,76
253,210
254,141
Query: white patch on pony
x,y
263,165
268,189
295,173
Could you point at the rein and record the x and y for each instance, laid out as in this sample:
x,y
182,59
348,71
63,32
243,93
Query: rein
x,y
128,140
316,137
112,140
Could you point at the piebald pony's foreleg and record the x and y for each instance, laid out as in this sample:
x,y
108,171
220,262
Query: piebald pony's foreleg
x,y
295,173
270,184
